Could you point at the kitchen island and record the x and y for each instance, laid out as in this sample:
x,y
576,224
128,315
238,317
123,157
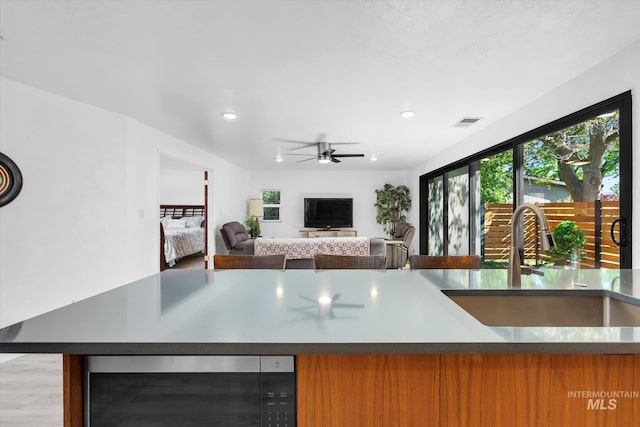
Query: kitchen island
x,y
372,347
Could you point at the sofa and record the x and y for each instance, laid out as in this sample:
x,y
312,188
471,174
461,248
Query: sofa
x,y
299,251
238,242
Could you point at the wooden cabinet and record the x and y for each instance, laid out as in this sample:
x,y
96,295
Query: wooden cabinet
x,y
468,390
449,390
320,232
367,390
537,390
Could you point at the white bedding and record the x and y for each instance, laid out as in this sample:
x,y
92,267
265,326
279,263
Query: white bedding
x,y
180,242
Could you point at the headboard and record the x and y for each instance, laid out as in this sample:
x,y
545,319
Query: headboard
x,y
178,211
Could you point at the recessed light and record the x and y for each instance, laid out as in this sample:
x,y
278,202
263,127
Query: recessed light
x,y
229,115
374,158
407,114
279,158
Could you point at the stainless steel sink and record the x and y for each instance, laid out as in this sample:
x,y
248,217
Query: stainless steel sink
x,y
547,307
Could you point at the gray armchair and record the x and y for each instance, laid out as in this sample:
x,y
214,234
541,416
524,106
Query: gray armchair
x,y
398,254
236,238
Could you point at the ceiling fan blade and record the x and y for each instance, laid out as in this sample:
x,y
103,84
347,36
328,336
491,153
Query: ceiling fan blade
x,y
302,147
334,160
293,141
298,154
348,155
344,143
306,160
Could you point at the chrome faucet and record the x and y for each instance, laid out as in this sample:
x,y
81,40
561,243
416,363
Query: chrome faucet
x,y
515,269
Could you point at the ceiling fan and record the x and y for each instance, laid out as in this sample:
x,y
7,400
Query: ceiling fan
x,y
325,151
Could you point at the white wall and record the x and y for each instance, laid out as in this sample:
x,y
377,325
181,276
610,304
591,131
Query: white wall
x,y
616,75
181,187
295,186
75,229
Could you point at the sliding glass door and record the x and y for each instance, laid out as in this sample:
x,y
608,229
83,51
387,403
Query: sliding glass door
x,y
577,169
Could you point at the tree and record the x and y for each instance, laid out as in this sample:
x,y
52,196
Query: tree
x,y
495,183
581,155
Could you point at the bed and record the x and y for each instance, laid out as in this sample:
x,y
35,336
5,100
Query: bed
x,y
182,232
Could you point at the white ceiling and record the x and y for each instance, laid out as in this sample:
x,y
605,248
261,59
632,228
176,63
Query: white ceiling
x,y
298,69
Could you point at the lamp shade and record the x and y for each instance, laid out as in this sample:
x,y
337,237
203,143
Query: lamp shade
x,y
255,208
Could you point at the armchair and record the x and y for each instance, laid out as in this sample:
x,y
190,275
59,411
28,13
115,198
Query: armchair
x,y
399,253
236,238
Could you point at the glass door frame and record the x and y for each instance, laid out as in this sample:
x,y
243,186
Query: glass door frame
x,y
621,102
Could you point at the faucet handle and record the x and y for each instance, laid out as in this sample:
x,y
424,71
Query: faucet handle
x,y
525,269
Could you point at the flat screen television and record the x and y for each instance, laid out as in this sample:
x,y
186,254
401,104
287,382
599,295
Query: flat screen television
x,y
328,213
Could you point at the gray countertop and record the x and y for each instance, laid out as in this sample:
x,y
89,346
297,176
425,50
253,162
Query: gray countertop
x,y
306,311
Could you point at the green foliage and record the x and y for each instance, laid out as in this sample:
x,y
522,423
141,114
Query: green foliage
x,y
568,237
596,141
271,213
496,174
393,203
271,197
551,157
253,226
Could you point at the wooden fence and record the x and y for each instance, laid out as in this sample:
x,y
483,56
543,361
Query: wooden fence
x,y
593,218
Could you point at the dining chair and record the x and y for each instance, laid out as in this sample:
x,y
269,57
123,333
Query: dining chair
x,y
444,262
248,262
350,262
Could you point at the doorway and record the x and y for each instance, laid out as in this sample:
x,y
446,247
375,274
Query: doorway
x,y
183,210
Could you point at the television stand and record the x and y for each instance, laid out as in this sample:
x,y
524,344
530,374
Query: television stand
x,y
319,231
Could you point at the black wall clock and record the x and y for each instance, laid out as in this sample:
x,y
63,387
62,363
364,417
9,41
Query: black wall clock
x,y
10,180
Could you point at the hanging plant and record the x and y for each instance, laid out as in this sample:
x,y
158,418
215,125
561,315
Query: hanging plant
x,y
393,204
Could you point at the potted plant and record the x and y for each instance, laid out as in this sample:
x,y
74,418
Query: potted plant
x,y
253,227
393,204
569,244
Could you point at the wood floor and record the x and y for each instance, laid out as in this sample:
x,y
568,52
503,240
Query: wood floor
x,y
31,391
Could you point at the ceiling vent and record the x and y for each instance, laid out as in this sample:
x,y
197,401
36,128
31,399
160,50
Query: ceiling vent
x,y
466,122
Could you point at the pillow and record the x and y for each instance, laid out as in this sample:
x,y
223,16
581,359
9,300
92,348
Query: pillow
x,y
193,221
175,223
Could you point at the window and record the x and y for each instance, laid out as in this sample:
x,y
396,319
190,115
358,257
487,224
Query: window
x,y
576,169
271,205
